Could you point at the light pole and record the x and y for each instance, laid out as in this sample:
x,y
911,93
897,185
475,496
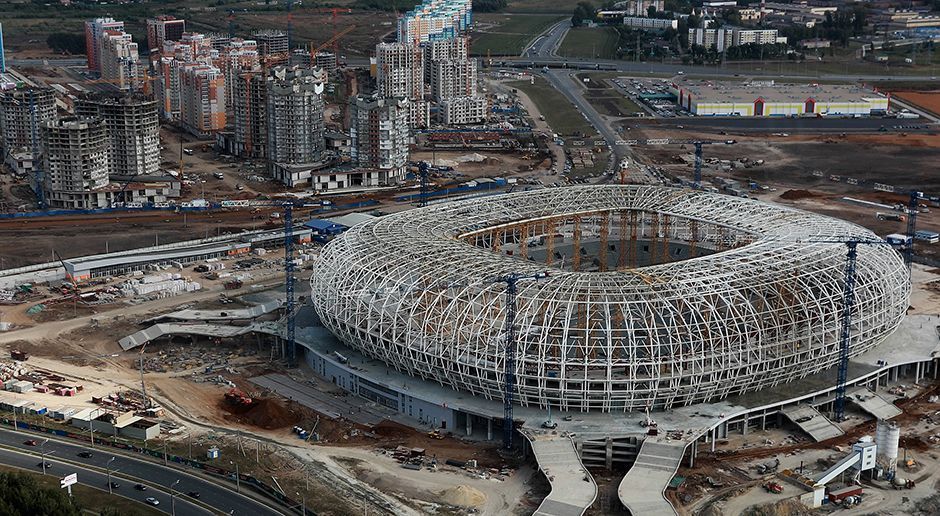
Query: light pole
x,y
303,503
42,448
172,498
110,491
238,482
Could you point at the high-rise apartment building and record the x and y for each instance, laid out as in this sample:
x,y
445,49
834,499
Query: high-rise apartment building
x,y
23,112
235,58
295,123
119,60
163,28
435,19
453,78
75,161
94,31
192,47
271,41
132,128
202,98
379,132
249,116
451,49
400,73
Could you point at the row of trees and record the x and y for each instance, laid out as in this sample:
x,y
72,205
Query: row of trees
x,y
21,494
488,6
67,42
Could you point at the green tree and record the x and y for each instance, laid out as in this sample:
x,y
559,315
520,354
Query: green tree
x,y
66,42
20,494
582,12
488,6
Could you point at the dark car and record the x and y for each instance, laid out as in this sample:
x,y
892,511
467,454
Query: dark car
x,y
85,454
31,442
48,465
193,494
115,485
140,487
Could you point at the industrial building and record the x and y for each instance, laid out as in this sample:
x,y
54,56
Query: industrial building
x,y
75,162
768,98
164,28
202,99
435,19
379,132
271,42
133,131
119,60
23,111
295,123
94,33
757,300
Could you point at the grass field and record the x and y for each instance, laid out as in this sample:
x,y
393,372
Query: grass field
x,y
565,7
507,34
91,499
560,114
599,42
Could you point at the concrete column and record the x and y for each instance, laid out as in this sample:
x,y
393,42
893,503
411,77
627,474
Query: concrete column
x,y
713,440
609,453
763,422
469,424
744,426
917,372
693,447
489,429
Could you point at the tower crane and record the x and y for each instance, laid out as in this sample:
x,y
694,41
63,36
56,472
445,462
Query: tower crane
x,y
511,281
848,307
335,12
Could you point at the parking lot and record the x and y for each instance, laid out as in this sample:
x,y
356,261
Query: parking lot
x,y
653,94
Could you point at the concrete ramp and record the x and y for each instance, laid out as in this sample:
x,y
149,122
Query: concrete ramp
x,y
873,403
641,489
813,422
573,488
161,330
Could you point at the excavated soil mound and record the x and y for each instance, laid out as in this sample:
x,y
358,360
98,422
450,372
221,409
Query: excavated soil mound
x,y
392,429
265,413
463,496
795,195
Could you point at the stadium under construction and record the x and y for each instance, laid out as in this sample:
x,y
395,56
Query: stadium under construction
x,y
718,314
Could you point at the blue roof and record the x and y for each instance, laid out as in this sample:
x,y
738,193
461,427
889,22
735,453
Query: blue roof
x,y
324,226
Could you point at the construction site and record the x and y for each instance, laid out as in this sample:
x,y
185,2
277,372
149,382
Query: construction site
x,y
386,285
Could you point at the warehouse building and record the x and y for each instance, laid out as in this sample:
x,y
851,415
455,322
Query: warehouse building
x,y
768,98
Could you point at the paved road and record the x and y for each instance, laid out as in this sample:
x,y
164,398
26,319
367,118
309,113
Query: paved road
x,y
92,478
560,80
69,61
212,494
547,43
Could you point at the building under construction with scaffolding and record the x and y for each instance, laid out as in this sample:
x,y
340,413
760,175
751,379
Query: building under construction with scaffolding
x,y
655,297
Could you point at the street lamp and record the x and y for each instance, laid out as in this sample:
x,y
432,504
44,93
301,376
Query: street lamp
x,y
42,448
109,475
172,499
303,503
238,483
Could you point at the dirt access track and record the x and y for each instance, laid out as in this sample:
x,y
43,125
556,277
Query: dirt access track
x,y
929,100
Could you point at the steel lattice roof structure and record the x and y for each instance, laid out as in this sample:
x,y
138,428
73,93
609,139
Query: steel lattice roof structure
x,y
692,296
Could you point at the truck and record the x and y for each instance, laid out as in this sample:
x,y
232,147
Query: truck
x,y
218,175
897,217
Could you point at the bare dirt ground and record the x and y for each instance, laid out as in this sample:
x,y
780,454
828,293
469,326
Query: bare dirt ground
x,y
929,100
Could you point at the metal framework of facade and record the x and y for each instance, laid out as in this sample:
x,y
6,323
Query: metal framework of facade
x,y
686,297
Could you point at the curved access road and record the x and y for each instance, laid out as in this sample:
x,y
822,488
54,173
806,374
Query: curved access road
x,y
65,458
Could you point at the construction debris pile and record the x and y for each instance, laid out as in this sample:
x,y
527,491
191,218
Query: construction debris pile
x,y
159,285
208,362
417,459
129,401
20,294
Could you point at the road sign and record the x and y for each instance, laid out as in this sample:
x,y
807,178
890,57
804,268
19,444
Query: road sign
x,y
69,480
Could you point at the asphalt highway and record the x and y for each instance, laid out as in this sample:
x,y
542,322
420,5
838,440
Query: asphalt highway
x,y
547,43
560,80
156,476
98,480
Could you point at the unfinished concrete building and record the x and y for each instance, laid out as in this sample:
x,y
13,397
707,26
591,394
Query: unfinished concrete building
x,y
23,111
295,124
379,132
164,28
133,131
75,161
271,41
248,136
